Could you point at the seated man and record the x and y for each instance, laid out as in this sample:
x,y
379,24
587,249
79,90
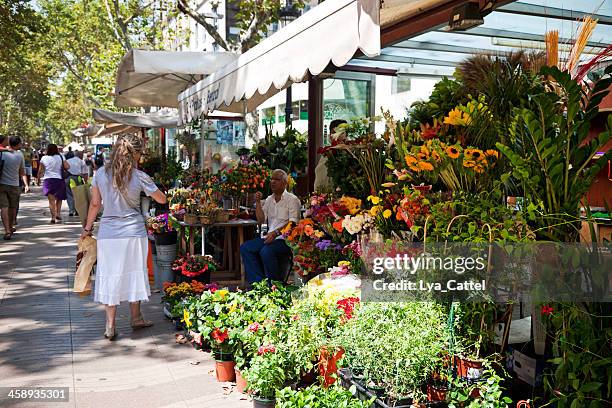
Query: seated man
x,y
261,256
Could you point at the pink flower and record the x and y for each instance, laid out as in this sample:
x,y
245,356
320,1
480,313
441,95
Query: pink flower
x,y
253,327
295,317
266,349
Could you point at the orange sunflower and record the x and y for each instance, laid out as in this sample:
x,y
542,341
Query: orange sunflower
x,y
426,166
452,152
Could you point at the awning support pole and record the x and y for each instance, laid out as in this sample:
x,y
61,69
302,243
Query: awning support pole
x,y
315,126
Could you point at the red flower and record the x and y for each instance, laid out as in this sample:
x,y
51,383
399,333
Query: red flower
x,y
348,305
220,335
295,317
547,310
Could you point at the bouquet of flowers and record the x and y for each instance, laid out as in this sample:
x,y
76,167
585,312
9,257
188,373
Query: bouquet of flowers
x,y
244,178
193,266
158,225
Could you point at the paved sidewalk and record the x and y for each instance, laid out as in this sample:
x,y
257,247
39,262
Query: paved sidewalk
x,y
50,337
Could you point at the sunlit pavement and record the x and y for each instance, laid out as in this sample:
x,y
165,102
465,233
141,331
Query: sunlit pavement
x,y
50,337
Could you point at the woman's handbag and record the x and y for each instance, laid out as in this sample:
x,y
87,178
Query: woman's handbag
x,y
85,261
65,173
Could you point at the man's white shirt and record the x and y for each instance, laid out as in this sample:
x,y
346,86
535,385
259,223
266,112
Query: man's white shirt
x,y
280,213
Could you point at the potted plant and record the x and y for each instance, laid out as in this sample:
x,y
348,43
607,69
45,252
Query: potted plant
x,y
161,229
319,397
195,267
265,376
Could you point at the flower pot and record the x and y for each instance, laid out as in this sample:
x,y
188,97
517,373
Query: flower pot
x,y
377,390
205,220
241,383
167,238
436,393
221,356
259,402
166,253
467,368
222,216
225,371
165,272
191,219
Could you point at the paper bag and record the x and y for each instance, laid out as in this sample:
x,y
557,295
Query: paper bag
x,y
86,258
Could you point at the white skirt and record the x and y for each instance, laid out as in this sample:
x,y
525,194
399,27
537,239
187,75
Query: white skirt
x,y
121,274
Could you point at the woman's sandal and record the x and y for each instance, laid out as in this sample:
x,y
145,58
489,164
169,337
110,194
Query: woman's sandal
x,y
141,323
7,237
110,333
52,221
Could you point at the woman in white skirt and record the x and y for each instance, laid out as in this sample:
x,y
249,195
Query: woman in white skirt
x,y
121,274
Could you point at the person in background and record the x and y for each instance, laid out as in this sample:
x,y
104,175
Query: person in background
x,y
122,246
70,153
28,156
78,175
322,181
12,170
90,164
35,161
261,256
54,186
15,146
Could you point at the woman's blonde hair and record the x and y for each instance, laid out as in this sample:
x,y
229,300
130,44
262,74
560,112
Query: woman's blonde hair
x,y
123,162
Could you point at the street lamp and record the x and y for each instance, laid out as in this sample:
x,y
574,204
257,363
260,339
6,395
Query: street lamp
x,y
287,14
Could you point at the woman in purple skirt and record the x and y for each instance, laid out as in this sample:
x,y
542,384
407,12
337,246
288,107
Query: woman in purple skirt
x,y
54,186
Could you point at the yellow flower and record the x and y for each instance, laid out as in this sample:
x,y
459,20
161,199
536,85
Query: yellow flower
x,y
475,154
375,210
387,213
233,308
352,204
222,293
344,263
452,152
374,199
387,185
455,118
492,153
425,150
469,163
187,318
436,156
425,166
319,234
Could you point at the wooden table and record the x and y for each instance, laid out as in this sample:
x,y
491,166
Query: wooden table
x,y
231,256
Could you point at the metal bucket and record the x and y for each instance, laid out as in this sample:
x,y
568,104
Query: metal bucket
x,y
166,253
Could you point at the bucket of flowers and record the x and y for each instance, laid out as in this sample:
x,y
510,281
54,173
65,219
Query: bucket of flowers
x,y
195,267
161,229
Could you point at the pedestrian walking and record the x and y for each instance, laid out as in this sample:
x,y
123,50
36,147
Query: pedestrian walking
x,y
78,175
122,247
54,186
28,157
13,169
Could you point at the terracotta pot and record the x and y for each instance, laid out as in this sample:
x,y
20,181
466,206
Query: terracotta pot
x,y
466,368
240,382
436,393
225,371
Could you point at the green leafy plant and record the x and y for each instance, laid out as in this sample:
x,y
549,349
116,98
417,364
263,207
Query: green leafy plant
x,y
485,394
395,345
550,151
318,397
